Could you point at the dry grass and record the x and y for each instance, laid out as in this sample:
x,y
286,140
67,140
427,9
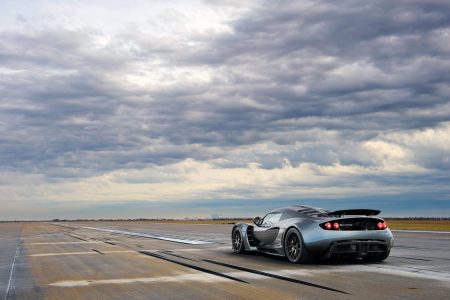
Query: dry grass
x,y
216,222
438,225
408,224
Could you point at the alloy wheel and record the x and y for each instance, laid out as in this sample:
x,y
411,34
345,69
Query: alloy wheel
x,y
237,240
293,246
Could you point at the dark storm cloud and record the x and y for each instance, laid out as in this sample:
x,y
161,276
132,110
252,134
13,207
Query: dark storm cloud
x,y
383,47
286,73
347,29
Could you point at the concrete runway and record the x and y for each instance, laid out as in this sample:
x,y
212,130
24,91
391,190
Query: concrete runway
x,y
70,261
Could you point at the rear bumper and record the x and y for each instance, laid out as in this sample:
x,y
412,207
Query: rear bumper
x,y
324,243
357,248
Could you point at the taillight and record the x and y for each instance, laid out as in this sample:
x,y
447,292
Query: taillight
x,y
331,226
381,225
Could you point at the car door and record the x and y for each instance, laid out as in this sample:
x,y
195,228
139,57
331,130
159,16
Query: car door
x,y
267,231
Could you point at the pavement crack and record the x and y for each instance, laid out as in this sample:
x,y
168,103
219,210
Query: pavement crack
x,y
274,276
12,271
98,251
194,267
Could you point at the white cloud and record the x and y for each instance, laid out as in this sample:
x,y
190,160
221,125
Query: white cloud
x,y
191,179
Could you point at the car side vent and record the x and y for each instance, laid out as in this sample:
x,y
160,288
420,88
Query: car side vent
x,y
250,237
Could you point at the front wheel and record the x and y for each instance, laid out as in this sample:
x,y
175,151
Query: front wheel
x,y
294,247
237,242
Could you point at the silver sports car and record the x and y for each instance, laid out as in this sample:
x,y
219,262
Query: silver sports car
x,y
302,233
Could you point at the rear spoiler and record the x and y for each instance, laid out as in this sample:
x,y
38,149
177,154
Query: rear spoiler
x,y
354,212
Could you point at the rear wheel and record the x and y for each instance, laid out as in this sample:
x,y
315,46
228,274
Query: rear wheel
x,y
294,247
237,242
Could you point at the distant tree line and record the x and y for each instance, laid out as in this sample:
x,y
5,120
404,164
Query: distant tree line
x,y
202,219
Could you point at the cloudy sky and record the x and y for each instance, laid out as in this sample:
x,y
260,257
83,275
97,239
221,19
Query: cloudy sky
x,y
193,108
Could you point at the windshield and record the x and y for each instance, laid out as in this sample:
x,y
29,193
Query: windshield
x,y
270,219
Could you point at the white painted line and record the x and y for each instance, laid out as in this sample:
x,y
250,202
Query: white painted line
x,y
208,278
12,271
64,253
63,243
80,253
151,236
178,278
382,269
173,278
422,231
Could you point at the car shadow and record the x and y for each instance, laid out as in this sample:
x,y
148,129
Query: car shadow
x,y
261,256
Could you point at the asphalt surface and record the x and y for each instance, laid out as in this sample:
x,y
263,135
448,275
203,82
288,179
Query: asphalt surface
x,y
173,261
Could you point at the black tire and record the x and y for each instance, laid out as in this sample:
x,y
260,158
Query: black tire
x,y
237,242
295,248
377,258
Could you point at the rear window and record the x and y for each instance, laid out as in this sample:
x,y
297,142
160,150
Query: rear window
x,y
314,212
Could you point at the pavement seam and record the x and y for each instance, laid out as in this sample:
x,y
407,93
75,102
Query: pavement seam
x,y
12,271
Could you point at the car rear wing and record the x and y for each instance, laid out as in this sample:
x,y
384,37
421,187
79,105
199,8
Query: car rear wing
x,y
354,212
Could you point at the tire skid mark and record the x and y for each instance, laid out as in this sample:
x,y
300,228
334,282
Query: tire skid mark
x,y
194,267
438,258
419,248
78,238
289,279
167,252
413,258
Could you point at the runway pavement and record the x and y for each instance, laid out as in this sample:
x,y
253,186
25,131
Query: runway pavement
x,y
102,260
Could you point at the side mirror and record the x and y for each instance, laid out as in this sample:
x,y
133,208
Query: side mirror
x,y
257,221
